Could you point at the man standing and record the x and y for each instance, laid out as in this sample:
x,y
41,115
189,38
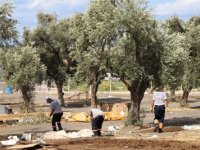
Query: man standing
x,y
97,117
159,104
56,113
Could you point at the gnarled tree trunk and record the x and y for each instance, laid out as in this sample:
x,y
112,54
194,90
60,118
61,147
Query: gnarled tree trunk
x,y
134,111
172,95
184,98
59,85
94,88
137,90
183,101
27,94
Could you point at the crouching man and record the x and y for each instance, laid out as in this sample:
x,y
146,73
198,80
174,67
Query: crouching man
x,y
97,117
56,113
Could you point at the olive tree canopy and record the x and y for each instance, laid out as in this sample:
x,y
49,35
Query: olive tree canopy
x,y
8,32
137,54
94,33
21,66
52,41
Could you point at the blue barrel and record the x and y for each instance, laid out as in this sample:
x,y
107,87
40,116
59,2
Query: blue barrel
x,y
9,90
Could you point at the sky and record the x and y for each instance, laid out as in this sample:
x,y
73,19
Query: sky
x,y
25,10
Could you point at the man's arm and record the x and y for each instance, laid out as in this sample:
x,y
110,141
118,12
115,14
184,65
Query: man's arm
x,y
89,114
51,113
166,106
52,108
152,105
166,103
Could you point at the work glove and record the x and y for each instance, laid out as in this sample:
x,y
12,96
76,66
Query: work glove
x,y
167,109
50,117
151,110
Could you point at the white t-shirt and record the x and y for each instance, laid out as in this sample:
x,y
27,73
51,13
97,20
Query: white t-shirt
x,y
96,112
159,98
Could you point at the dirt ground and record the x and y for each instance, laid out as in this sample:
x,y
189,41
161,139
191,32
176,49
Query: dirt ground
x,y
118,144
138,137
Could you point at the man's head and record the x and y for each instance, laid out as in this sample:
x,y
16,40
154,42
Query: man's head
x,y
160,88
48,100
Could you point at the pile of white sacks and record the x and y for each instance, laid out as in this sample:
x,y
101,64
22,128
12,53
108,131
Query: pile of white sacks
x,y
52,135
191,127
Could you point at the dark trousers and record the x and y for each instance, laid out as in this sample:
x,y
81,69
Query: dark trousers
x,y
97,125
159,112
56,119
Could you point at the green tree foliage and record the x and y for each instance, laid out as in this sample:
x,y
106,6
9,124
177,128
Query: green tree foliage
x,y
193,36
175,26
136,57
21,66
175,60
192,68
51,38
94,33
8,33
26,37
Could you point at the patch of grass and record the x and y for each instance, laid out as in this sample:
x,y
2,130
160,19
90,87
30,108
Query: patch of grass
x,y
38,119
115,86
104,86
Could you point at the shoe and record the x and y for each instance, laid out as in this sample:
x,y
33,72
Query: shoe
x,y
160,130
156,129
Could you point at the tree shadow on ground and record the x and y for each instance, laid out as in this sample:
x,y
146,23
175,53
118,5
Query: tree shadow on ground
x,y
195,107
108,100
193,101
77,104
182,121
38,130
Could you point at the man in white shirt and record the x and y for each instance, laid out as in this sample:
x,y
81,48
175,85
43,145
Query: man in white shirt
x,y
97,117
159,104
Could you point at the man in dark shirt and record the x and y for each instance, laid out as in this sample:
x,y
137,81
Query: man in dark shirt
x,y
56,113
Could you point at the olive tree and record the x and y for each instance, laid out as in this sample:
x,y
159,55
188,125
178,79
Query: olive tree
x,y
21,66
192,68
137,55
52,41
8,32
175,60
94,33
172,28
188,42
